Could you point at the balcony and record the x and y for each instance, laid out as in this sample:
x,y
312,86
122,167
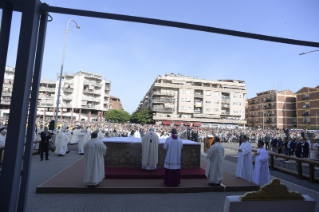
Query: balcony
x,y
163,100
67,98
107,88
47,89
268,100
68,82
252,102
294,115
163,109
306,106
45,104
294,122
252,122
252,115
198,95
306,114
6,94
267,108
268,121
306,122
89,107
305,98
198,104
91,92
45,97
66,106
294,100
68,90
5,102
252,109
225,113
225,106
225,97
268,114
225,100
163,93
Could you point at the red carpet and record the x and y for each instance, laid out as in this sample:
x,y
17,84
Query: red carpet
x,y
139,173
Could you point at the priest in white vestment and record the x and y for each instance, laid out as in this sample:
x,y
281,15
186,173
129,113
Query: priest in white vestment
x,y
261,173
74,136
214,169
100,134
136,134
172,164
82,138
150,142
61,142
245,161
94,171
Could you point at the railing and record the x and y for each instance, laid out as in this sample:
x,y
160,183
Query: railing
x,y
305,97
252,103
306,122
89,107
268,121
164,93
163,100
269,114
225,100
252,109
45,97
45,104
92,92
67,97
68,89
5,102
66,105
6,94
227,106
306,106
198,95
197,111
268,100
107,88
299,162
46,89
225,97
306,114
198,104
163,109
225,113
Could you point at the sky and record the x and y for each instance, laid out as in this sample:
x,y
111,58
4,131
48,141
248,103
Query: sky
x,y
132,55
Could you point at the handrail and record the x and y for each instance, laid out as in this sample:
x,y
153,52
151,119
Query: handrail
x,y
299,161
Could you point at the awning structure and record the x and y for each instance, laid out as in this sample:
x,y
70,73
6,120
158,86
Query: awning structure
x,y
167,122
177,123
187,123
197,124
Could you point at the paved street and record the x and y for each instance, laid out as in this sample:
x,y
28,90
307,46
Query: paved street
x,y
44,170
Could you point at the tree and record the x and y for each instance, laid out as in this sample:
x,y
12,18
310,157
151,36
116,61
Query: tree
x,y
117,115
142,116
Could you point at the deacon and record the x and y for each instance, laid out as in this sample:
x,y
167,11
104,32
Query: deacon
x,y
172,164
214,169
94,171
261,174
61,142
150,142
245,163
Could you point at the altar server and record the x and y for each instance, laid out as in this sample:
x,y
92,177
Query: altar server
x,y
94,161
214,169
245,163
61,142
82,136
261,173
74,136
172,164
150,142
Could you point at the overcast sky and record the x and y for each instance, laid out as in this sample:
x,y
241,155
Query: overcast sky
x,y
132,55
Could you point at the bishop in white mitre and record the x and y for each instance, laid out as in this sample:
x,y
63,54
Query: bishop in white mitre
x,y
94,171
261,173
245,160
214,169
150,142
61,142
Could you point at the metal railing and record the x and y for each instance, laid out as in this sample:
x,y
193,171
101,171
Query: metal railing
x,y
198,95
227,106
164,100
225,113
164,93
46,89
6,94
163,109
67,97
305,97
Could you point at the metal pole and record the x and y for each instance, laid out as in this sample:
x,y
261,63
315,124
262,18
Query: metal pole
x,y
61,72
32,115
12,163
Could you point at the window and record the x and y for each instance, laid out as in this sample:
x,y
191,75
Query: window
x,y
208,93
187,108
256,113
216,102
272,98
187,92
273,112
208,109
240,112
182,91
235,111
208,102
240,96
187,100
235,103
235,96
216,94
216,109
182,99
182,107
239,103
273,120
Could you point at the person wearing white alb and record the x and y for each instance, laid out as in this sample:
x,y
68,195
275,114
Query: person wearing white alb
x,y
214,168
61,142
245,161
94,151
261,173
150,142
82,136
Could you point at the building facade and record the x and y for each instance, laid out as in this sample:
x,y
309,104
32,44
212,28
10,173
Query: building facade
x,y
176,99
115,103
272,109
83,96
307,102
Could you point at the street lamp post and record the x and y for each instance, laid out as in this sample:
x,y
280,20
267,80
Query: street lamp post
x,y
61,72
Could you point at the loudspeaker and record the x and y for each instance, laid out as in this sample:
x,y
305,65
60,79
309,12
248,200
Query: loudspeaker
x,y
51,125
311,135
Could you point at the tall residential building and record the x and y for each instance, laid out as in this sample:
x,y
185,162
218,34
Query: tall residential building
x,y
83,96
213,103
307,108
115,103
6,92
272,109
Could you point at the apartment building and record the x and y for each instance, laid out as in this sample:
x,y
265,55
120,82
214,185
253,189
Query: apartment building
x,y
115,103
307,102
83,96
272,109
177,99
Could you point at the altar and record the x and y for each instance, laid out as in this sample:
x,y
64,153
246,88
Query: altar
x,y
127,152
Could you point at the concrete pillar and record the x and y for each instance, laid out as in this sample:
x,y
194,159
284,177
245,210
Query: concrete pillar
x,y
71,114
89,116
43,114
61,113
53,113
80,115
101,113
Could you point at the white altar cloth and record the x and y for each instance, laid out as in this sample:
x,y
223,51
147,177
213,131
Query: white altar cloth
x,y
139,140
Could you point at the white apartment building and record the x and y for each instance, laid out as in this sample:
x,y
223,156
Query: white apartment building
x,y
83,96
177,99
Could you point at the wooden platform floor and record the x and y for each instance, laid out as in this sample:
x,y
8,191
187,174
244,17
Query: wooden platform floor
x,y
70,180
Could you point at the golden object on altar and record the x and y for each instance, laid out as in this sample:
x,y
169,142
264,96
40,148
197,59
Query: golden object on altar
x,y
272,192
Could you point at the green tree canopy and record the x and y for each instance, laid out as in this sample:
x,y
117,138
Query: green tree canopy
x,y
117,115
142,116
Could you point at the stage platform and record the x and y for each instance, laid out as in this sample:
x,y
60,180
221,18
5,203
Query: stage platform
x,y
70,180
